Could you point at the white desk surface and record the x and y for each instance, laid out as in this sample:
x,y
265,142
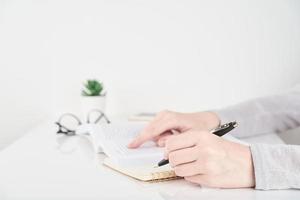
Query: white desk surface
x,y
38,167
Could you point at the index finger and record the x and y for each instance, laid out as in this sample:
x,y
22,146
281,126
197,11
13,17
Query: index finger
x,y
182,141
153,130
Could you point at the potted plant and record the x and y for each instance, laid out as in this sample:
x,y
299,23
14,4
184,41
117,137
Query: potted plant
x,y
93,96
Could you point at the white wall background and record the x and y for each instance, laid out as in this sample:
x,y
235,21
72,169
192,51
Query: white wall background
x,y
25,68
182,55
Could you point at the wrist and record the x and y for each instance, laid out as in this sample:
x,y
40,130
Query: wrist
x,y
212,120
249,169
242,156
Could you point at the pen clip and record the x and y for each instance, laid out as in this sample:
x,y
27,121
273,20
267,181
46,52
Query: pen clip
x,y
224,126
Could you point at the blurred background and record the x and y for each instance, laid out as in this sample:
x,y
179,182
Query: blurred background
x,y
183,55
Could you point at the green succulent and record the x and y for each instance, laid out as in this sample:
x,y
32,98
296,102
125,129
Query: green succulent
x,y
92,88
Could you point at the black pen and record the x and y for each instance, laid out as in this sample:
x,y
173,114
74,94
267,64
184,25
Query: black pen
x,y
220,131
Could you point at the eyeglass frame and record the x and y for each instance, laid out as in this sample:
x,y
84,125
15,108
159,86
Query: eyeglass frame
x,y
69,132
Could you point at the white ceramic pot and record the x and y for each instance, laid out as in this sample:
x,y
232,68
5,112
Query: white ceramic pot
x,y
89,103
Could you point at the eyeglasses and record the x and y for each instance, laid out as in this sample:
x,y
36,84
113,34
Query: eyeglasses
x,y
68,122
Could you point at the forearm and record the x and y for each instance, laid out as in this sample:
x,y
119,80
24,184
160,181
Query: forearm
x,y
264,115
276,166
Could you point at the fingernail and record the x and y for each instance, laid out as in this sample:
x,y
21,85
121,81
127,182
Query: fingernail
x,y
165,155
132,143
161,143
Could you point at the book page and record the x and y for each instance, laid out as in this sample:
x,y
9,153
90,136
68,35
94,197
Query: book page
x,y
114,139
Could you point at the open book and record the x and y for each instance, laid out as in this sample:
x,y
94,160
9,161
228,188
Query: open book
x,y
112,139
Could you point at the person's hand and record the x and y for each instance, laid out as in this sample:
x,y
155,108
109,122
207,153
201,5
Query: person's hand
x,y
167,122
206,159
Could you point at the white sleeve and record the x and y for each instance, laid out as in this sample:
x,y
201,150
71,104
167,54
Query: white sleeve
x,y
275,113
276,166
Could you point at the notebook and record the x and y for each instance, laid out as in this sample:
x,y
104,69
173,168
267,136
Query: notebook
x,y
112,139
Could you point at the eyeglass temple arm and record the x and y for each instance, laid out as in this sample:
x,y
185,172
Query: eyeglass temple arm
x,y
102,115
72,115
